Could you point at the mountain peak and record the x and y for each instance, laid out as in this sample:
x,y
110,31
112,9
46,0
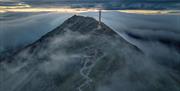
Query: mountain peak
x,y
84,24
81,24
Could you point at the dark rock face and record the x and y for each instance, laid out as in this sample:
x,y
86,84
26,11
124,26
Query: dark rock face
x,y
81,56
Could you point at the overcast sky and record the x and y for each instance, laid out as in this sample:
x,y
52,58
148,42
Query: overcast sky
x,y
120,4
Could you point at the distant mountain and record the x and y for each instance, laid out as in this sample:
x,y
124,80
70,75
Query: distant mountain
x,y
81,55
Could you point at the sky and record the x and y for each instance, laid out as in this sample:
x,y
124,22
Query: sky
x,y
105,4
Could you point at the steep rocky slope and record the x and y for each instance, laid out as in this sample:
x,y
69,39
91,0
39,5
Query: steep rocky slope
x,y
81,56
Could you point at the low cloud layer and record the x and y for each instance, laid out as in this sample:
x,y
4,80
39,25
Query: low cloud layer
x,y
23,31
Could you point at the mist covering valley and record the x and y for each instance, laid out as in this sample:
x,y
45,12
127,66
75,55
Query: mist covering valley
x,y
62,52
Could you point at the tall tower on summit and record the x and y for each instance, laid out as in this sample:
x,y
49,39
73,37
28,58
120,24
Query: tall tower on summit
x,y
100,16
99,7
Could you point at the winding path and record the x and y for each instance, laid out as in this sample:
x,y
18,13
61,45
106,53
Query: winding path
x,y
89,63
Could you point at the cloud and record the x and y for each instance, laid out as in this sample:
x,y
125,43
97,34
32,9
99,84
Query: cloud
x,y
25,30
143,73
7,0
59,60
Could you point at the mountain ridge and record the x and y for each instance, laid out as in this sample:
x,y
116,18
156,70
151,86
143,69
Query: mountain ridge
x,y
74,18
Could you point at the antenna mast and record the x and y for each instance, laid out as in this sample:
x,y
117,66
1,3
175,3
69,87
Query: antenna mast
x,y
100,16
99,25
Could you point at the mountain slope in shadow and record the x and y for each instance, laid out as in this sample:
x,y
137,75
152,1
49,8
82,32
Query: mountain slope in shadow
x,y
81,56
